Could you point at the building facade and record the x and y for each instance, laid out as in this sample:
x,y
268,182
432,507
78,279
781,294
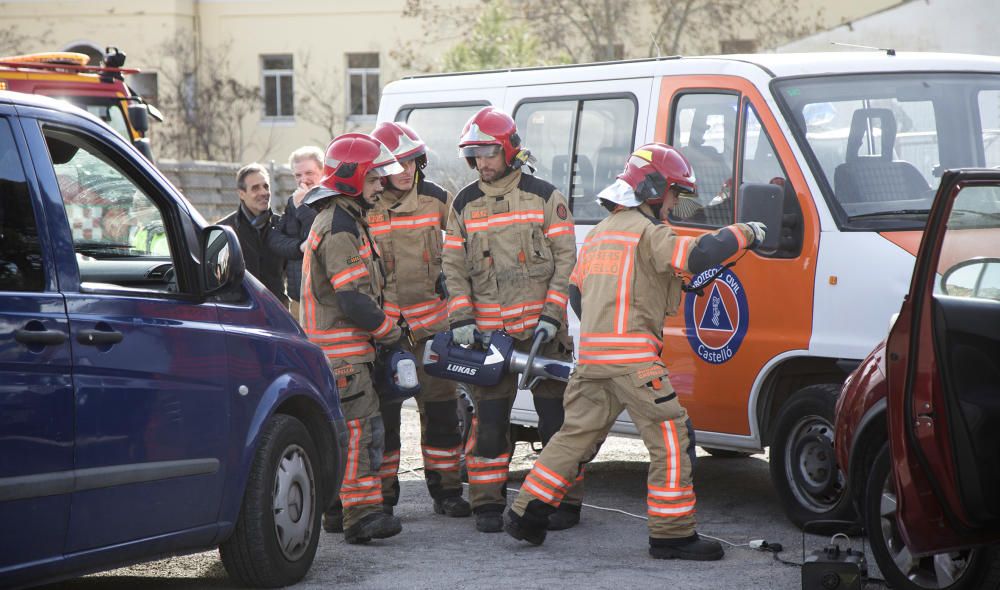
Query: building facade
x,y
315,67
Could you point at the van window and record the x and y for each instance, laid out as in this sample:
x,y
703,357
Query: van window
x,y
759,164
879,142
581,145
119,234
989,109
704,130
440,127
20,253
969,261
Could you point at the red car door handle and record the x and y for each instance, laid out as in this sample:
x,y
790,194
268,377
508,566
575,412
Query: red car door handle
x,y
98,337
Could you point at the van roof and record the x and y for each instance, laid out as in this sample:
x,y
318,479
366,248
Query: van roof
x,y
44,102
772,64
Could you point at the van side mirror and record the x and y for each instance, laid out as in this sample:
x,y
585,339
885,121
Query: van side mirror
x,y
138,115
764,203
222,265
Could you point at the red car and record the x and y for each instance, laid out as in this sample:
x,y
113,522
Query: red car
x,y
918,422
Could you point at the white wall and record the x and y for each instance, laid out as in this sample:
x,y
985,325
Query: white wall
x,y
954,26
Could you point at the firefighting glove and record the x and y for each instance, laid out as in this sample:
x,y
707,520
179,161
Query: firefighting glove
x,y
464,335
485,337
548,328
441,286
759,231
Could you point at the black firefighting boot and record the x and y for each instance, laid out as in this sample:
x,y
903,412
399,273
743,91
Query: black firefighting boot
x,y
333,519
377,525
694,548
454,506
387,509
565,517
530,527
489,518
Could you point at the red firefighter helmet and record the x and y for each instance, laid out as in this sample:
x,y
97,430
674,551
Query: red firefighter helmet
x,y
489,127
655,168
402,141
349,159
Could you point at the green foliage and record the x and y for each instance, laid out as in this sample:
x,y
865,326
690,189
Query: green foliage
x,y
497,41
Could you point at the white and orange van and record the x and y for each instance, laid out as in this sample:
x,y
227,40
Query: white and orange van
x,y
855,144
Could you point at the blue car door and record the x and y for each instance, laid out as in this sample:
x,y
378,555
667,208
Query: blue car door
x,y
36,390
149,359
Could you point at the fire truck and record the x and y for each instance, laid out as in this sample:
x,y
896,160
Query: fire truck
x,y
100,90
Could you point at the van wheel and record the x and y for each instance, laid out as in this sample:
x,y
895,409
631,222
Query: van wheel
x,y
803,464
278,528
971,568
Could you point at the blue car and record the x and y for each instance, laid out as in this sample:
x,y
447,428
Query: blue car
x,y
155,399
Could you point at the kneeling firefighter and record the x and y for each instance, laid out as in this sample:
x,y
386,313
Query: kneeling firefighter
x,y
625,282
341,312
407,223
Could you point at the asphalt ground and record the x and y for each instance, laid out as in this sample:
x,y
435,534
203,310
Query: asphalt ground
x,y
608,549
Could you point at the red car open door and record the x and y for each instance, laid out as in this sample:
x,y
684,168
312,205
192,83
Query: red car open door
x,y
943,373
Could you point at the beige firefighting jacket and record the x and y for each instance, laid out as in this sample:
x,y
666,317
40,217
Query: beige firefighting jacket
x,y
408,231
508,252
342,283
629,281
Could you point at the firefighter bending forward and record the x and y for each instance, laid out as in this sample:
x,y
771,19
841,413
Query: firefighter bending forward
x,y
626,282
341,312
508,253
407,224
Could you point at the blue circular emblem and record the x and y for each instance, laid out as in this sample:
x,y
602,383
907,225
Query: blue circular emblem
x,y
718,320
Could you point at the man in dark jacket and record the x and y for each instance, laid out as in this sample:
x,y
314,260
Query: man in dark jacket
x,y
253,221
289,238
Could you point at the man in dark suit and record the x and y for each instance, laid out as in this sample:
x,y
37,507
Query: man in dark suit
x,y
253,221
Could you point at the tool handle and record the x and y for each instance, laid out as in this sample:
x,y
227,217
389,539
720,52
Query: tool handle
x,y
536,343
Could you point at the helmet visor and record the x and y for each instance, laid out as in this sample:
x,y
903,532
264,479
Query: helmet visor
x,y
479,151
388,168
685,191
385,164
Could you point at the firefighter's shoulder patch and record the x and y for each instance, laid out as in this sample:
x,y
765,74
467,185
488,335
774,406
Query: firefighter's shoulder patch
x,y
561,211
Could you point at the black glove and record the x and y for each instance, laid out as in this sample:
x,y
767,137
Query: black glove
x,y
441,286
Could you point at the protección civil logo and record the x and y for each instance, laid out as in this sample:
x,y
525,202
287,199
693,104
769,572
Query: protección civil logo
x,y
718,320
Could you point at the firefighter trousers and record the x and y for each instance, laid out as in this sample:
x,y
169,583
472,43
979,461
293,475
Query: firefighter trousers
x,y
440,437
488,450
361,492
591,408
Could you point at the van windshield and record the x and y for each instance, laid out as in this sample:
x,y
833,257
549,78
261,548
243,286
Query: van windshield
x,y
878,143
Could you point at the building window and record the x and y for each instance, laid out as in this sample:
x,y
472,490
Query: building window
x,y
363,84
730,46
279,92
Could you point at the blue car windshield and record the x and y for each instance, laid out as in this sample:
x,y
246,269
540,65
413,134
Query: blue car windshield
x,y
878,143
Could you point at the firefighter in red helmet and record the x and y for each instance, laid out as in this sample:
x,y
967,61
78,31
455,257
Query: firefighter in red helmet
x,y
625,283
508,251
407,223
341,312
